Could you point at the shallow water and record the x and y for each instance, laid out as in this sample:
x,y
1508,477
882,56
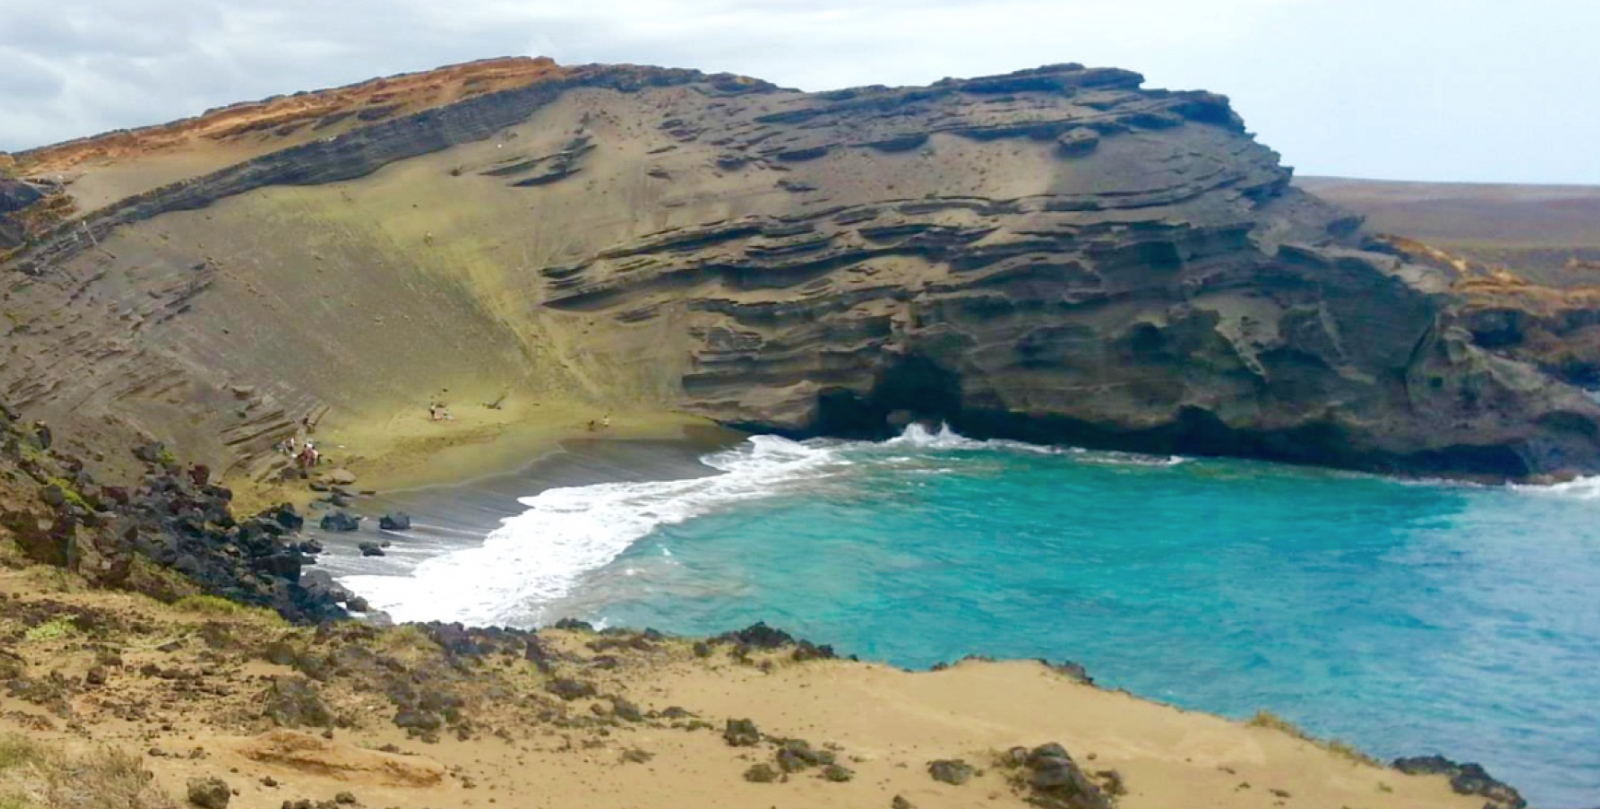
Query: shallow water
x,y
1406,618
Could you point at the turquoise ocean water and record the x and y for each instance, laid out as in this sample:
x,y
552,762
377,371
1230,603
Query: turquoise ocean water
x,y
1404,617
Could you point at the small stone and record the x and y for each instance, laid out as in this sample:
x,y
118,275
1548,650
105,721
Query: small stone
x,y
626,710
796,755
951,771
837,773
741,733
901,803
344,798
570,689
761,774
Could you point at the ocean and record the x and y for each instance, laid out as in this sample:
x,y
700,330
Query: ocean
x,y
1403,617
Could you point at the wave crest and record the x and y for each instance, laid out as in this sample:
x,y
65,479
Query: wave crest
x,y
537,556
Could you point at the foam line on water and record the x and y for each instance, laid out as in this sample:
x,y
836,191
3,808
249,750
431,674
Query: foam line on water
x,y
1578,489
918,436
538,555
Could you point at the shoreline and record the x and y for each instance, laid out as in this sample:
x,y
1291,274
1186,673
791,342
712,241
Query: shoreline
x,y
461,515
573,717
407,452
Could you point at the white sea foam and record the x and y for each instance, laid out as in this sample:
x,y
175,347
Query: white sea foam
x,y
917,435
537,556
1577,489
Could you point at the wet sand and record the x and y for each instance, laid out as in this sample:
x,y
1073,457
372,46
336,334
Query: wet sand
x,y
450,517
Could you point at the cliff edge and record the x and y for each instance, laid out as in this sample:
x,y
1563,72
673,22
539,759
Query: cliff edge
x,y
1055,255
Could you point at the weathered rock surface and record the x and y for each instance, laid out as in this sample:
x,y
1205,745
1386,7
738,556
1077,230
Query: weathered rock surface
x,y
1055,255
172,535
1465,779
209,793
312,755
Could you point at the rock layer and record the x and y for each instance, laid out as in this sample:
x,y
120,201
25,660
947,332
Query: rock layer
x,y
1056,255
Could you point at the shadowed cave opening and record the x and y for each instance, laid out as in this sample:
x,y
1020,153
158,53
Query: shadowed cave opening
x,y
915,388
911,388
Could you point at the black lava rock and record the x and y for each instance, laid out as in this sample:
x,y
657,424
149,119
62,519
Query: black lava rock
x,y
340,521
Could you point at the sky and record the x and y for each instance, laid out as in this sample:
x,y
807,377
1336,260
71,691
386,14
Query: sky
x,y
1437,90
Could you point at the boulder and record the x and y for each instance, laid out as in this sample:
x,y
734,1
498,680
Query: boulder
x,y
340,521
397,521
294,702
1465,779
1056,781
209,793
370,549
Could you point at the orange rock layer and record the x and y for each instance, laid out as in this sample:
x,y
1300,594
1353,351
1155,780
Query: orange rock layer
x,y
284,116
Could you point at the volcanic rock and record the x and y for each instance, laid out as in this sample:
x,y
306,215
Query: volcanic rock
x,y
1057,255
951,771
209,793
340,521
1465,779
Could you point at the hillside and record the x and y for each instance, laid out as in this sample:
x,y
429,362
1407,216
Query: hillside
x,y
1057,255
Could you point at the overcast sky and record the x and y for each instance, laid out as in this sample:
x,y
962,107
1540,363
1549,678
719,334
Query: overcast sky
x,y
1482,90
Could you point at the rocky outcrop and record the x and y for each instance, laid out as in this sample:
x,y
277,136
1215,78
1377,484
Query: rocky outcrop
x,y
1465,779
172,535
1168,293
1056,255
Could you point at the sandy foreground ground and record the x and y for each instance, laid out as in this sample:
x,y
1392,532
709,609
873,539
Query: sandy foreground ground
x,y
578,719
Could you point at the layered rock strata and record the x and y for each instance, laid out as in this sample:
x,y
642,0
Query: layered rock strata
x,y
1056,255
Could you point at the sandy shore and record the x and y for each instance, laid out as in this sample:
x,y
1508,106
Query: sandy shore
x,y
452,516
408,451
571,718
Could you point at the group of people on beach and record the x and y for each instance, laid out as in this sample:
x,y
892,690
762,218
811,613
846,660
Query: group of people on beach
x,y
300,447
305,455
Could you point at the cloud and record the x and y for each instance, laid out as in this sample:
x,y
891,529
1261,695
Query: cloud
x,y
1429,89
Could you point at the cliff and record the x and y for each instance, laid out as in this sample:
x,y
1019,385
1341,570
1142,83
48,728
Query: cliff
x,y
1055,255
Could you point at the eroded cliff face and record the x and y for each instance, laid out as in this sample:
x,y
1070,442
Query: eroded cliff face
x,y
1055,255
